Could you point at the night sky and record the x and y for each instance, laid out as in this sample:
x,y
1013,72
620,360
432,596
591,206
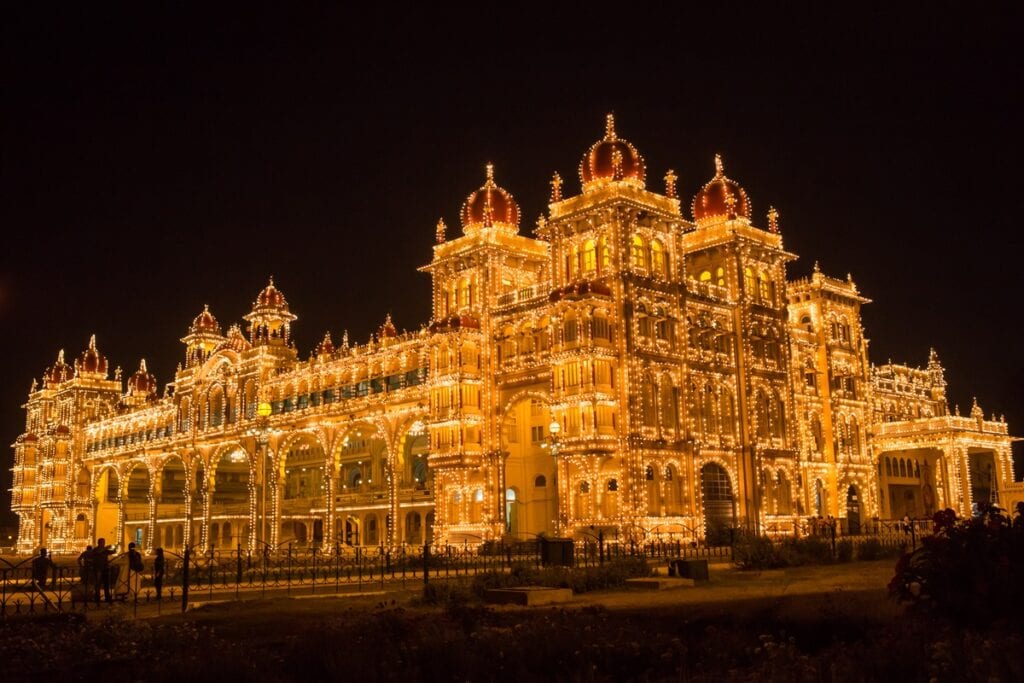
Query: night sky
x,y
151,164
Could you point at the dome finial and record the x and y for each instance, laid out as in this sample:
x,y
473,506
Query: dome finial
x,y
441,230
556,188
773,219
670,183
490,172
609,127
60,356
142,366
92,342
719,169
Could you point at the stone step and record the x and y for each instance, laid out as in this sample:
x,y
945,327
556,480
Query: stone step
x,y
527,595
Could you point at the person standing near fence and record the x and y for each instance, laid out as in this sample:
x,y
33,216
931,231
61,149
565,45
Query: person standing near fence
x,y
158,572
41,566
135,569
86,573
101,567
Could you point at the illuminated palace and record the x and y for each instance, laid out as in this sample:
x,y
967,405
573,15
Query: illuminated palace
x,y
634,369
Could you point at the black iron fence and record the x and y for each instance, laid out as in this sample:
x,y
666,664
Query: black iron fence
x,y
200,576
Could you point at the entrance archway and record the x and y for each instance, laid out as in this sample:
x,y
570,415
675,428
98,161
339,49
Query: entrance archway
x,y
136,505
529,469
852,510
719,506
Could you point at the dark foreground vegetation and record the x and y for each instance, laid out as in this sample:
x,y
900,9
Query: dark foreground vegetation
x,y
964,624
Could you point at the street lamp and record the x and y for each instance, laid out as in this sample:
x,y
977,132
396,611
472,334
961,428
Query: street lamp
x,y
263,411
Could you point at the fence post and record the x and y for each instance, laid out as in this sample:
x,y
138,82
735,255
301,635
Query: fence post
x,y
913,536
238,573
832,532
184,581
426,567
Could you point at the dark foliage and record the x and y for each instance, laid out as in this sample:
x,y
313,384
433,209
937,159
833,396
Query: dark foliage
x,y
970,570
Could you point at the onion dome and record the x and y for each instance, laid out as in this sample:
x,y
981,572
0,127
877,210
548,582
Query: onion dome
x,y
59,372
92,362
205,323
720,199
235,340
271,297
62,431
30,438
142,383
325,347
490,206
611,159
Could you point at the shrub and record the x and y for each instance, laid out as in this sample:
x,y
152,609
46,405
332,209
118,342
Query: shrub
x,y
873,549
844,550
758,552
969,570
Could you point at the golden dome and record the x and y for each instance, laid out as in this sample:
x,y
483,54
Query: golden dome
x,y
721,198
271,297
490,206
611,159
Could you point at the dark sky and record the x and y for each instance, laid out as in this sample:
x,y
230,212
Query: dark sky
x,y
150,163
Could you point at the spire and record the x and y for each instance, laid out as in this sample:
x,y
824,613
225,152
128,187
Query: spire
x,y
609,127
719,168
60,356
556,188
142,366
773,219
670,183
92,343
490,174
441,230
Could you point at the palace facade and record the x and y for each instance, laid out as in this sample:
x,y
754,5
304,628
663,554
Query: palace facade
x,y
641,368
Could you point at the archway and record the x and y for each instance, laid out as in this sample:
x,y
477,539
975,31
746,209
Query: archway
x,y
981,466
852,510
229,502
303,490
529,469
360,483
107,499
136,505
719,507
171,502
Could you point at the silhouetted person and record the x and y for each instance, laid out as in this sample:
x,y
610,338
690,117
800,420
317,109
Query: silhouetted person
x,y
158,572
101,564
86,571
41,566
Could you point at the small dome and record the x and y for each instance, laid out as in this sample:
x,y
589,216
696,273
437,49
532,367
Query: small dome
x,y
235,340
325,347
271,297
30,438
490,206
92,362
62,430
59,372
721,198
611,159
387,329
205,323
142,383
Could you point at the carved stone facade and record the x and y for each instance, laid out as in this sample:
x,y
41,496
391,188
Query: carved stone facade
x,y
628,371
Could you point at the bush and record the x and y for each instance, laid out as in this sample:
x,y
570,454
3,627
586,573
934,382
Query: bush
x,y
970,570
873,549
844,550
581,579
758,552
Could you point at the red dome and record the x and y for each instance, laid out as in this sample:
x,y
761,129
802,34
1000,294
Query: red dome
x,y
235,340
59,372
142,382
62,430
205,323
387,329
490,206
325,347
271,297
721,198
92,362
30,438
611,159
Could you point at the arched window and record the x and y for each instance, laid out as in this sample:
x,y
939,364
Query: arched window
x,y
657,258
705,276
604,255
778,417
649,408
720,276
728,413
570,331
638,255
708,411
888,466
749,284
668,404
589,257
540,481
216,407
816,434
763,412
763,289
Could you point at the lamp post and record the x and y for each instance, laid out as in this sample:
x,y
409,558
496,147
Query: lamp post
x,y
263,411
553,446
